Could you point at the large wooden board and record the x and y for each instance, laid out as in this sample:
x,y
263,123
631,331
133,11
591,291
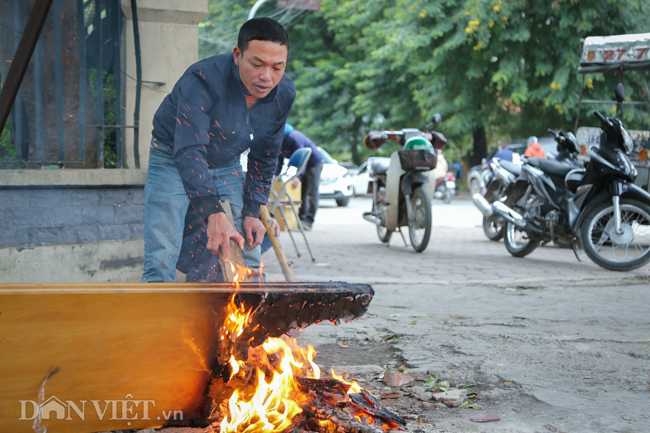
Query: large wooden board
x,y
121,356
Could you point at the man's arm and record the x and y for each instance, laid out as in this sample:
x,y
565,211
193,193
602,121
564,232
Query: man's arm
x,y
191,137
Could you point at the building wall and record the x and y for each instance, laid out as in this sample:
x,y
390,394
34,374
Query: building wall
x,y
169,44
66,215
71,225
86,225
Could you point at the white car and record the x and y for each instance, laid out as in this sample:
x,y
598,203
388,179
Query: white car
x,y
361,180
335,181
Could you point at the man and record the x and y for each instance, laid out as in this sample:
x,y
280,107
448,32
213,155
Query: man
x,y
503,152
220,107
534,148
310,179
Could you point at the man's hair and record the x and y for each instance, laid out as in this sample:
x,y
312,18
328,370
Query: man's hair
x,y
262,29
502,144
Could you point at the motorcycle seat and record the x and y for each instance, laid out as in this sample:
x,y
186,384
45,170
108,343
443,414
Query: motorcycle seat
x,y
378,165
511,167
550,167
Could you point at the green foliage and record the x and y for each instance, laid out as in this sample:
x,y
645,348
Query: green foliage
x,y
509,66
7,148
110,115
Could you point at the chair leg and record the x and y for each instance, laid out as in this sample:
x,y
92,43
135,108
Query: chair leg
x,y
302,229
286,224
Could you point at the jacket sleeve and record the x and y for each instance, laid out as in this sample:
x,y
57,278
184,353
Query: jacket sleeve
x,y
262,163
278,168
191,137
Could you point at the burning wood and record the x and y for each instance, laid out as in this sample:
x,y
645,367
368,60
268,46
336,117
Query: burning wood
x,y
265,382
279,388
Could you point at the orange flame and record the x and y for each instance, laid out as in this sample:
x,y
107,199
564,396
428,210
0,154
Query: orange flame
x,y
354,386
276,402
236,319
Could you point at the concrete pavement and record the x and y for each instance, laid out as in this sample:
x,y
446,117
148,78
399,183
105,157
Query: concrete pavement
x,y
549,343
347,248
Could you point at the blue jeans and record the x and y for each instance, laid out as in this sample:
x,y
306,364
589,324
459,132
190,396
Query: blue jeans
x,y
166,205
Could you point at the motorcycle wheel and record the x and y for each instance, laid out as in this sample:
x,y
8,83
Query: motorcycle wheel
x,y
384,234
624,252
493,231
518,243
420,223
446,196
474,186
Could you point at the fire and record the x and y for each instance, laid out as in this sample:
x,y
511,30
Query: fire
x,y
236,319
354,386
274,397
268,384
274,402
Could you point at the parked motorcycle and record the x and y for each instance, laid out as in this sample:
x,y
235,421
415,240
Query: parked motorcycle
x,y
599,207
502,175
400,183
445,187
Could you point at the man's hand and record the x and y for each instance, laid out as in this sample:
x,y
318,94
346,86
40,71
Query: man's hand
x,y
295,182
275,227
220,231
255,231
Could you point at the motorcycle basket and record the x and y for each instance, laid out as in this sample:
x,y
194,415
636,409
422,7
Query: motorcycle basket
x,y
418,159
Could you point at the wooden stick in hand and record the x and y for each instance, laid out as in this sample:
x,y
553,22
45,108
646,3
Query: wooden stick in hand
x,y
266,220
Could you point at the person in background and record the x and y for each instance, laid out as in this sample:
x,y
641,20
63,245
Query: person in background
x,y
534,148
294,140
503,152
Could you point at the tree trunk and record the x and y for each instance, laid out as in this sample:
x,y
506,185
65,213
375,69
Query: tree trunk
x,y
480,145
354,145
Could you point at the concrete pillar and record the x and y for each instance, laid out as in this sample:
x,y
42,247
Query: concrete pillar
x,y
169,44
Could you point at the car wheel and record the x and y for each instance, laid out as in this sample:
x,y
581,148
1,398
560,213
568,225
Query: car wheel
x,y
342,202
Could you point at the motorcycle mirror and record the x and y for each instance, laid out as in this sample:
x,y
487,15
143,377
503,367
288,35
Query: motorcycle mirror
x,y
437,118
620,93
375,139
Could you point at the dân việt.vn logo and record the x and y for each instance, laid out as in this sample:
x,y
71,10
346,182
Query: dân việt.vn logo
x,y
126,409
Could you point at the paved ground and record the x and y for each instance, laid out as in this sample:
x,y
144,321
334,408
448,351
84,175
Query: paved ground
x,y
347,248
549,343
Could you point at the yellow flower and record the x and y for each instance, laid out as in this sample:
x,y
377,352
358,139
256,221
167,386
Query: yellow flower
x,y
467,12
474,23
423,13
590,83
412,7
496,8
554,87
556,106
478,46
504,18
468,29
491,25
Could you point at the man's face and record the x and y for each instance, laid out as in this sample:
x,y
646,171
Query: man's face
x,y
261,66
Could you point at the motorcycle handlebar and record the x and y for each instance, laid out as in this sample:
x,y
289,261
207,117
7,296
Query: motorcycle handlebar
x,y
602,118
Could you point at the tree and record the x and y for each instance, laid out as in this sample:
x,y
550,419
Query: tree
x,y
502,68
493,69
